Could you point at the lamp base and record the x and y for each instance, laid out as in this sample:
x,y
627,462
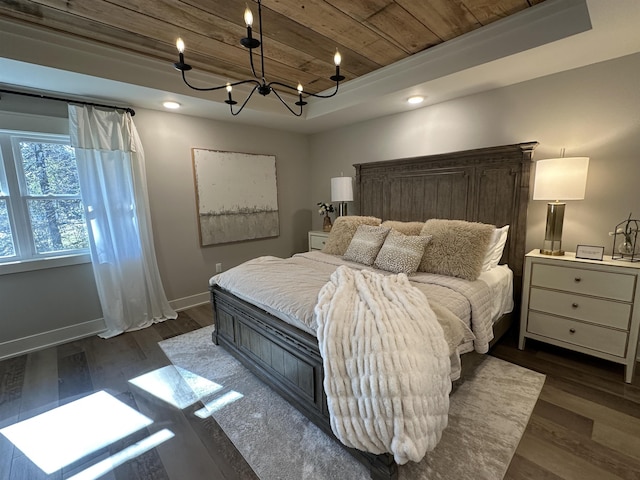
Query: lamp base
x,y
555,253
342,209
553,233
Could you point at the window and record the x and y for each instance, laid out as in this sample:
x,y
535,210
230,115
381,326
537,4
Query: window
x,y
41,212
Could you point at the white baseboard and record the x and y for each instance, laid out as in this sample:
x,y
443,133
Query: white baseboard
x,y
58,336
21,346
190,301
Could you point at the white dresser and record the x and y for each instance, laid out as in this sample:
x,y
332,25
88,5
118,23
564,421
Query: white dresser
x,y
589,306
317,239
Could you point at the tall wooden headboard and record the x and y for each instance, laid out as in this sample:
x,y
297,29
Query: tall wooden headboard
x,y
488,185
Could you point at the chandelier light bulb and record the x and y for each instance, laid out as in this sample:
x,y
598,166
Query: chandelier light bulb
x,y
248,17
229,101
180,45
337,58
300,101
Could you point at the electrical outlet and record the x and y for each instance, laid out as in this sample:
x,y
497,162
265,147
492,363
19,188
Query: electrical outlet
x,y
218,267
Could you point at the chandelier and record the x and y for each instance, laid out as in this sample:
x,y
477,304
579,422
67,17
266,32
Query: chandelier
x,y
259,82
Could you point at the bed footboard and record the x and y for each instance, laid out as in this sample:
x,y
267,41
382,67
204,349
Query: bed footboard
x,y
286,359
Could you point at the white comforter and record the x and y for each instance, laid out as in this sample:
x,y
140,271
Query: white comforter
x,y
288,289
386,364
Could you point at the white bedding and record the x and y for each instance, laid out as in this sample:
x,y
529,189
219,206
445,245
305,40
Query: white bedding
x,y
292,293
500,281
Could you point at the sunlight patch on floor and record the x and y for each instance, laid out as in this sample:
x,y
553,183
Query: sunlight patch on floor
x,y
63,435
176,386
218,403
132,451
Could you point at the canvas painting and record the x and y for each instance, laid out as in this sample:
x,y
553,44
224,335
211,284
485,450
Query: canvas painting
x,y
236,196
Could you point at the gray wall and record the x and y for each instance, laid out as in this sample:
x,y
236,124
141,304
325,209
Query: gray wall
x,y
37,302
40,301
591,111
168,138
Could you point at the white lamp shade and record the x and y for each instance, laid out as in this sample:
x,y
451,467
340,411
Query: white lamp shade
x,y
561,178
341,189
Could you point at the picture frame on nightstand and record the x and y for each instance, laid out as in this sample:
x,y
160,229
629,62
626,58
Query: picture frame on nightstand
x,y
590,252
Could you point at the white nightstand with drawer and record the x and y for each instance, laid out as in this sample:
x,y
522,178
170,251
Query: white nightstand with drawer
x,y
317,239
588,306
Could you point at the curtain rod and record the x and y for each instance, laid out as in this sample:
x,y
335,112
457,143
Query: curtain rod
x,y
67,100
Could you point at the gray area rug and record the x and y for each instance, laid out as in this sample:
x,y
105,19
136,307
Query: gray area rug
x,y
489,410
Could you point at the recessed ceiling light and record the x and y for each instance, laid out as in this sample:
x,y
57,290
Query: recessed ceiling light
x,y
415,99
171,105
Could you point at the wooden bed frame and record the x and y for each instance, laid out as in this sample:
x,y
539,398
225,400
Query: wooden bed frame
x,y
489,185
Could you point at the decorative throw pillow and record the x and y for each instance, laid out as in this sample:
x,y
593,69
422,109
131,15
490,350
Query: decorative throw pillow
x,y
401,253
366,243
408,228
457,248
495,248
343,230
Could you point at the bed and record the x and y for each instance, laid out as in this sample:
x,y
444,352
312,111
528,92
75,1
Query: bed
x,y
488,185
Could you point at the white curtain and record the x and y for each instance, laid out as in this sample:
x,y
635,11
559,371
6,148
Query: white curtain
x,y
114,191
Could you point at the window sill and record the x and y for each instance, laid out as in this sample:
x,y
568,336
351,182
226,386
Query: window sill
x,y
43,263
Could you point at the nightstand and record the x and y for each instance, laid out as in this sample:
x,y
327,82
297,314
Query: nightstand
x,y
588,306
317,239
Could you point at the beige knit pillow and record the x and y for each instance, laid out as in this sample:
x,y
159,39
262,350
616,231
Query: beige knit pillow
x,y
401,253
366,243
408,228
343,230
457,248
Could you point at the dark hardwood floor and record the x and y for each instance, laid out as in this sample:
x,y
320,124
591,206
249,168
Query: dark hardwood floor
x,y
37,382
586,424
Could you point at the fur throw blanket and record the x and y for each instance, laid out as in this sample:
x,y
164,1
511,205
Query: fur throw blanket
x,y
386,364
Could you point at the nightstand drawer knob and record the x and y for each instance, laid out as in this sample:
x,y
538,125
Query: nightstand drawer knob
x,y
578,279
574,305
572,330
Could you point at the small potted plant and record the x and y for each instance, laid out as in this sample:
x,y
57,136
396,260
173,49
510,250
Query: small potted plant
x,y
325,209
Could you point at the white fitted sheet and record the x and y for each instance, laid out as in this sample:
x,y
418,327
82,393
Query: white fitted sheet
x,y
500,282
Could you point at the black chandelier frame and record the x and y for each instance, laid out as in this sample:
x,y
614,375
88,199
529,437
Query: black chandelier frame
x,y
259,82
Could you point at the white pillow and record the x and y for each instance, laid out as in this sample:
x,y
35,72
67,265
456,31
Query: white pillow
x,y
495,248
486,263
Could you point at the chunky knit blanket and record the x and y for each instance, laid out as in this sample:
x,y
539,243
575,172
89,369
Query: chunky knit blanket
x,y
386,364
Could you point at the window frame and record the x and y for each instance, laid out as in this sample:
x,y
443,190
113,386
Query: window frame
x,y
26,256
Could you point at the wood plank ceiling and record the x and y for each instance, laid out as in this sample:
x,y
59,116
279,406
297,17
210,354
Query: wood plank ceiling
x,y
300,36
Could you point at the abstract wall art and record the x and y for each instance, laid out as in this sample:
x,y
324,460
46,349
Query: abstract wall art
x,y
236,196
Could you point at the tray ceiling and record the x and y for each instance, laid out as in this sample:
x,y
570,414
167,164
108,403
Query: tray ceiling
x,y
300,36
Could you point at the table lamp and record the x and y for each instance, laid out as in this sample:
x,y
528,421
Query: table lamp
x,y
559,179
341,191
